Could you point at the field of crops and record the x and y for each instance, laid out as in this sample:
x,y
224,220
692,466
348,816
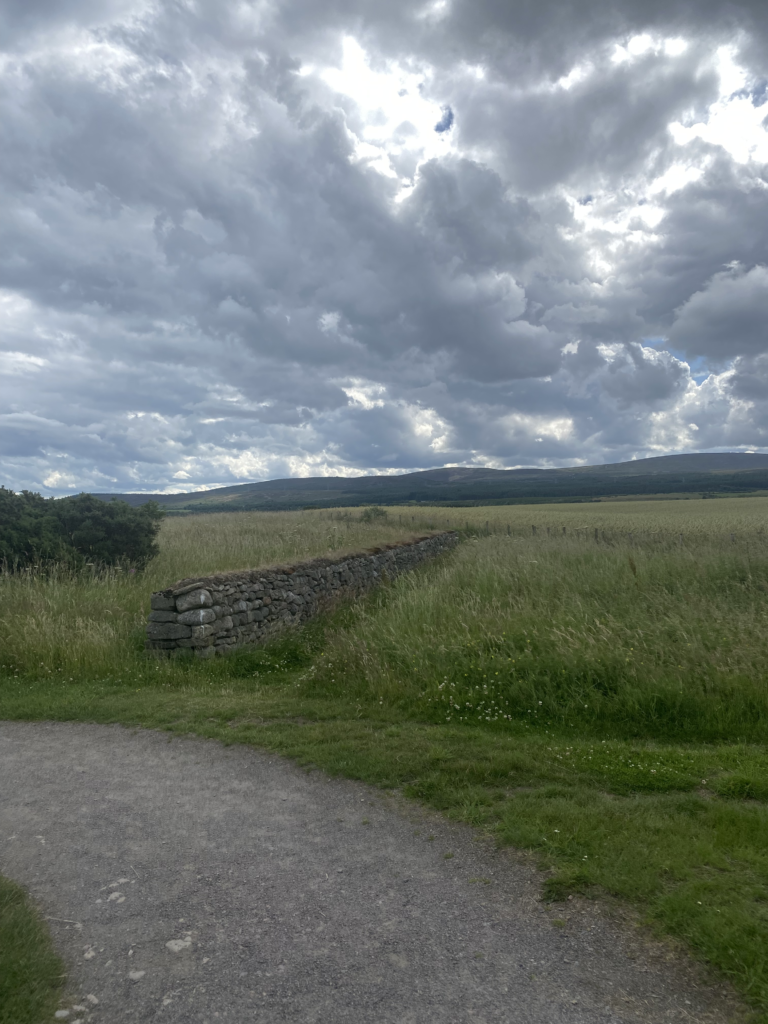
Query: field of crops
x,y
664,520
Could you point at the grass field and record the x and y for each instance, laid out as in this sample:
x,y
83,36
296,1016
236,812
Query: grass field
x,y
695,518
599,700
60,624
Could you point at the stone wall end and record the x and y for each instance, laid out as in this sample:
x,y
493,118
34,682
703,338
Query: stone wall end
x,y
216,614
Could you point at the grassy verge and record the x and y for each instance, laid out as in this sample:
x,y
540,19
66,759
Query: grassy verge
x,y
31,975
694,863
603,705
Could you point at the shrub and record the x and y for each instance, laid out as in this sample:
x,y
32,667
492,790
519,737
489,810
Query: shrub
x,y
77,530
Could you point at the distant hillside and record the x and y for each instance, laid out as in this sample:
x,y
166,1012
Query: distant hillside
x,y
721,473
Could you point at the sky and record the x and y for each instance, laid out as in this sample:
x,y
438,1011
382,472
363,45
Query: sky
x,y
250,240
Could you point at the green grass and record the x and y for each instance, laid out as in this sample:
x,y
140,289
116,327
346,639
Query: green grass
x,y
603,705
31,974
68,624
650,642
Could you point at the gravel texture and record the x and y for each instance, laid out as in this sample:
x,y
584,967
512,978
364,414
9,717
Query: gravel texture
x,y
185,881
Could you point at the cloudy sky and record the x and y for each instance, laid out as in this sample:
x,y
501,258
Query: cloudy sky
x,y
246,240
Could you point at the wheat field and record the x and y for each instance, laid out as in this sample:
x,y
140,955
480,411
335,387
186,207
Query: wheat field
x,y
662,519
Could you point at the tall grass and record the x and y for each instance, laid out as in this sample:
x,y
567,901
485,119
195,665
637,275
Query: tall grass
x,y
648,639
203,544
694,518
65,623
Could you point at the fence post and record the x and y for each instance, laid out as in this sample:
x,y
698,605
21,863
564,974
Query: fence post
x,y
533,528
597,535
563,531
509,530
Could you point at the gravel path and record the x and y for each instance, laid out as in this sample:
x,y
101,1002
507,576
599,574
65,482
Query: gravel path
x,y
189,882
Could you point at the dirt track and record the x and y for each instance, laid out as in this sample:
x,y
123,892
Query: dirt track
x,y
189,882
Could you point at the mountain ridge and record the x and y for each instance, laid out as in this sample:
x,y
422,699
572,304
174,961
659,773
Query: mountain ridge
x,y
705,472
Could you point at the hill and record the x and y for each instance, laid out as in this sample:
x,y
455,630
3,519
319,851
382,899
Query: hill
x,y
718,473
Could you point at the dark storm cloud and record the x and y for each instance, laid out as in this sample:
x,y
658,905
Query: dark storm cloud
x,y
727,317
636,375
209,272
612,122
710,224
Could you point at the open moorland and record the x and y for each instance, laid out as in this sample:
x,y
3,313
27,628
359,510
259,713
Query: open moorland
x,y
587,682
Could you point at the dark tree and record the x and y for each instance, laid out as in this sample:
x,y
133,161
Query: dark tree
x,y
36,530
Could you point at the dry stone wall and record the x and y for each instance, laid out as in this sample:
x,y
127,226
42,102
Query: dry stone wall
x,y
216,614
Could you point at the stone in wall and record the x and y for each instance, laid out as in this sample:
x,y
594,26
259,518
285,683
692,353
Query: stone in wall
x,y
216,614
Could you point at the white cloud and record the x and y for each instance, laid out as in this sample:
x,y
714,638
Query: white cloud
x,y
20,362
365,394
735,121
394,122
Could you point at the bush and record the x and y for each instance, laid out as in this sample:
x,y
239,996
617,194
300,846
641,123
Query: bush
x,y
77,530
372,513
